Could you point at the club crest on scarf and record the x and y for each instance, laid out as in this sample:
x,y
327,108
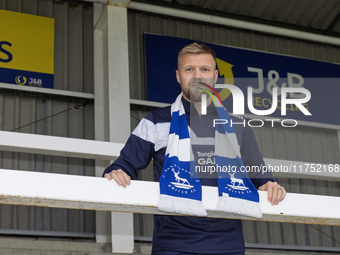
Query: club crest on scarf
x,y
180,182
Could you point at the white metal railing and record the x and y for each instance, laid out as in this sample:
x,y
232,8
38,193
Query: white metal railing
x,y
90,149
58,146
94,193
46,91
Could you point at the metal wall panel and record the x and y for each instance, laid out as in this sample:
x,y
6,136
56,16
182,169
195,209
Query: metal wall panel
x,y
73,72
18,111
301,143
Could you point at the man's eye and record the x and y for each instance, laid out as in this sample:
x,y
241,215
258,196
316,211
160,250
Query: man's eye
x,y
188,69
206,69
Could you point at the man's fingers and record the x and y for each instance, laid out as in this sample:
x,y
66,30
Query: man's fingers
x,y
283,193
120,177
270,191
123,177
127,179
275,197
108,176
276,193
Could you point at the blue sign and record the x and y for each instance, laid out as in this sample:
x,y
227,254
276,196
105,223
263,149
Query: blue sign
x,y
260,70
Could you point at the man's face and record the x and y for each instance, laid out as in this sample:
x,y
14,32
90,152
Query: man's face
x,y
194,69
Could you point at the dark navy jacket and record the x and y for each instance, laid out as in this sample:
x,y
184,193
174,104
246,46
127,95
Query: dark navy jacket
x,y
181,233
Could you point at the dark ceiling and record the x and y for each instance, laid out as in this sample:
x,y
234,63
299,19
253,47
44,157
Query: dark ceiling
x,y
316,16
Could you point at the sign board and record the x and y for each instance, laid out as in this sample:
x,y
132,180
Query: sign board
x,y
245,68
26,49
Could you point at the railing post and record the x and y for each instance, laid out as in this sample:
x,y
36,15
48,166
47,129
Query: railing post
x,y
112,103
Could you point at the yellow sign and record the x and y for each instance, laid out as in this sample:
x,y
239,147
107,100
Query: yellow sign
x,y
26,49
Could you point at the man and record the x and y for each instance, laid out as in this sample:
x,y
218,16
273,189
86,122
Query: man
x,y
174,235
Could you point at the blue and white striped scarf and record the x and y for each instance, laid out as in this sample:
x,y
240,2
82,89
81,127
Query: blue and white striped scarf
x,y
180,186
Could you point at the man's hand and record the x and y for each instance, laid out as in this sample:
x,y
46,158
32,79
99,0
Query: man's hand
x,y
120,177
276,193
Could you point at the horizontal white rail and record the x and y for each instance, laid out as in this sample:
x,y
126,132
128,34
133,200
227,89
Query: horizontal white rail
x,y
94,193
90,149
46,91
58,146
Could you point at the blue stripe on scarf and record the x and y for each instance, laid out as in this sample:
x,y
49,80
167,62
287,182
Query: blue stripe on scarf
x,y
179,125
224,115
233,186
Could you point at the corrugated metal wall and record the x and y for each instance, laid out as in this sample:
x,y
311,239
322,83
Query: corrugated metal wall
x,y
73,72
302,143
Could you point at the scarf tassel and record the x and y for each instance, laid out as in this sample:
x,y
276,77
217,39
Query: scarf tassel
x,y
181,205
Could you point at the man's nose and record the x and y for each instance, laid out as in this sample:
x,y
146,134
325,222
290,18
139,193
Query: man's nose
x,y
197,73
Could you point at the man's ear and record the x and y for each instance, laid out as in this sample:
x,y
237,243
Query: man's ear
x,y
177,77
216,76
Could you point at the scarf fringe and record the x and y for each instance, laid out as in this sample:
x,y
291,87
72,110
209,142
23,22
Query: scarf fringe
x,y
239,206
181,205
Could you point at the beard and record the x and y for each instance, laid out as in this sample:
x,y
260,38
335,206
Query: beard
x,y
193,92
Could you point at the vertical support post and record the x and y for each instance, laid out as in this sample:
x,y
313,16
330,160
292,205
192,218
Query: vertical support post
x,y
101,109
112,109
119,106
